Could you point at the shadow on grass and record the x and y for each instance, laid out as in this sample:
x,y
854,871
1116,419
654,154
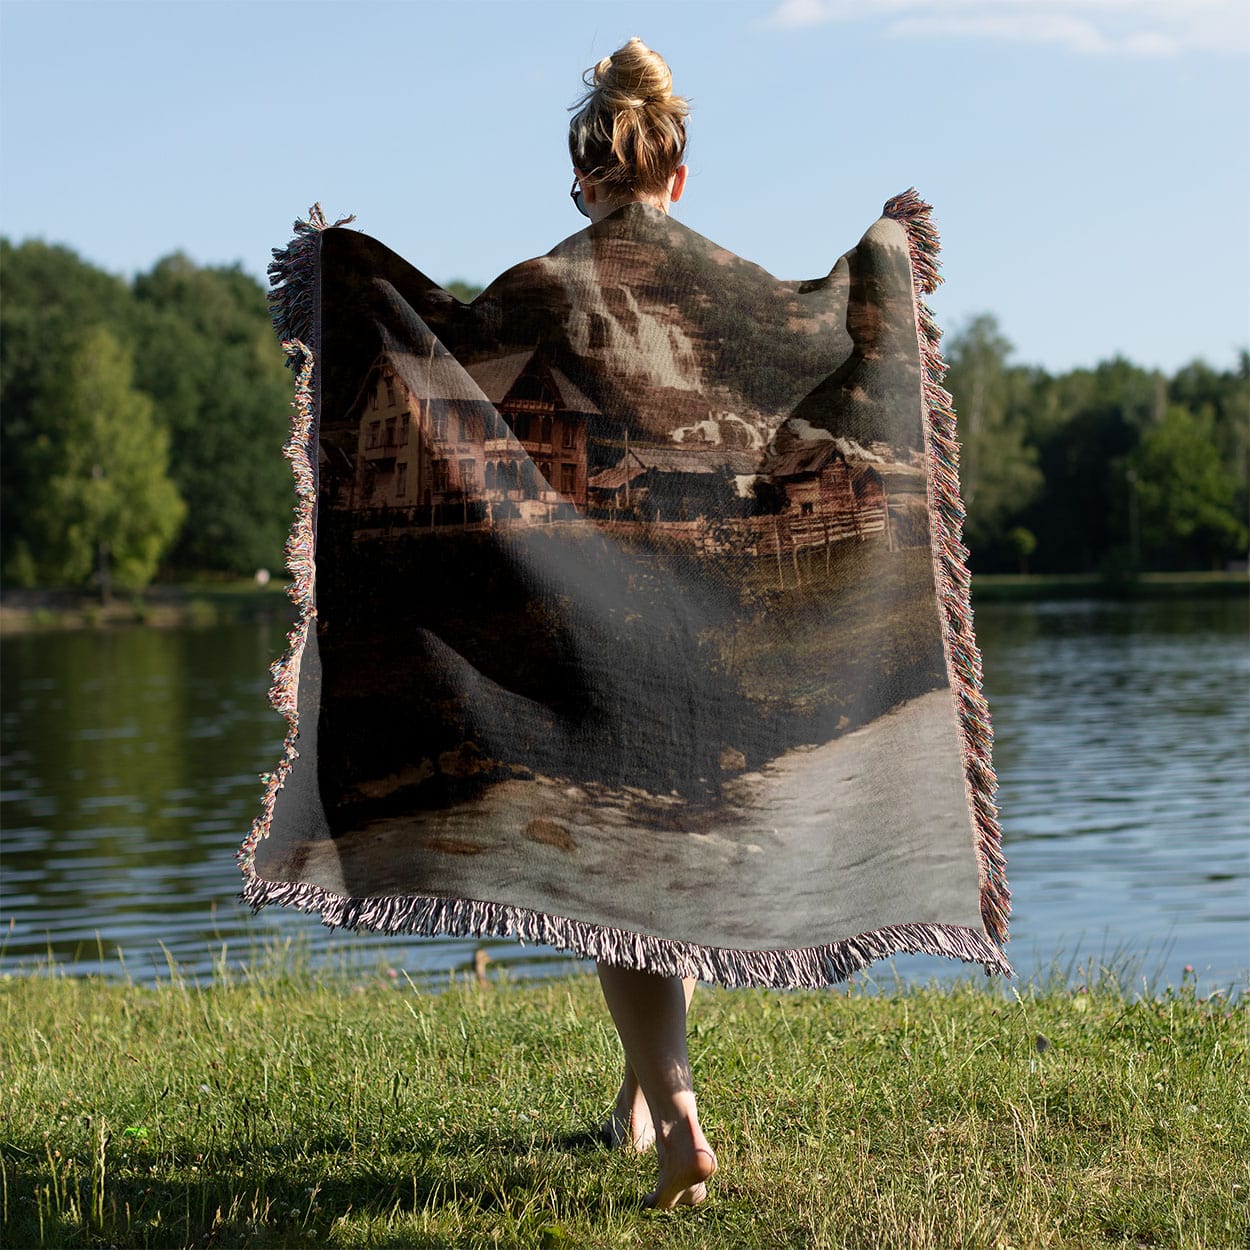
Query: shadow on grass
x,y
264,1197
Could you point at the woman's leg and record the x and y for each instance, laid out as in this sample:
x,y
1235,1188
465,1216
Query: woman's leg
x,y
629,1124
650,1015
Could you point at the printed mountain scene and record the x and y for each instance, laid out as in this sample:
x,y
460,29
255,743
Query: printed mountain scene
x,y
624,548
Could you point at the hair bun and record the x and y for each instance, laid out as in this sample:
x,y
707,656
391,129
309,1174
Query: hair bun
x,y
634,76
630,129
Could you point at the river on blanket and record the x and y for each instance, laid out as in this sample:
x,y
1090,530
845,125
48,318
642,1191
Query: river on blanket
x,y
131,756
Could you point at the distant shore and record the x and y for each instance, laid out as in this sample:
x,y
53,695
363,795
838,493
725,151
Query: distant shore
x,y
1000,587
165,606
214,603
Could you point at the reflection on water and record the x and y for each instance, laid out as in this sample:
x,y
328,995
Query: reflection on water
x,y
131,762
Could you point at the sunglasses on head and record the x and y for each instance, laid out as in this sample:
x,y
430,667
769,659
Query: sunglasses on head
x,y
576,196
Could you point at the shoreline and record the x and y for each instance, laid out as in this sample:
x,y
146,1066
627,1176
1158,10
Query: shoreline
x,y
1012,587
176,605
202,604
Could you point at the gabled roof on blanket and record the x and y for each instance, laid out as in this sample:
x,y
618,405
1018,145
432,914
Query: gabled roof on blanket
x,y
807,457
696,460
811,455
436,375
497,377
431,375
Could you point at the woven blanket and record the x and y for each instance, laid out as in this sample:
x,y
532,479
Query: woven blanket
x,y
633,615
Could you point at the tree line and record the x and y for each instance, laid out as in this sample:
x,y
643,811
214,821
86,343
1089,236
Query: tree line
x,y
1114,470
142,423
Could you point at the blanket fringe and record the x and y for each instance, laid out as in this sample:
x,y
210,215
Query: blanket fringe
x,y
808,968
950,561
295,278
294,274
300,549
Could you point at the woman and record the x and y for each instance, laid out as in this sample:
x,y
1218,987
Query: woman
x,y
627,141
581,694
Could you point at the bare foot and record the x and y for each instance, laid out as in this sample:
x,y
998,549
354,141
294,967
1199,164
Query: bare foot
x,y
629,1126
686,1165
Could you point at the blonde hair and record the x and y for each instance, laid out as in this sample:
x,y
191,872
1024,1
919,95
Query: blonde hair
x,y
629,131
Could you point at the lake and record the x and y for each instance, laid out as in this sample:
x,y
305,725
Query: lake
x,y
131,759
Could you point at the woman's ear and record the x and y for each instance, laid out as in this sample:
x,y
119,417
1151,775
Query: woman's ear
x,y
678,184
588,186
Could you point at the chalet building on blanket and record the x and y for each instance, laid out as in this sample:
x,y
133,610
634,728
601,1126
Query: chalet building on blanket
x,y
676,483
832,489
505,439
814,493
428,443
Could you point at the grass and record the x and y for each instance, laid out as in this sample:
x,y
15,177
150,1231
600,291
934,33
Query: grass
x,y
292,1109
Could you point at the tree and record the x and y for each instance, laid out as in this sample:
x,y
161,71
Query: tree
x,y
1086,427
1223,399
465,292
208,357
51,296
1186,495
1023,543
998,469
102,503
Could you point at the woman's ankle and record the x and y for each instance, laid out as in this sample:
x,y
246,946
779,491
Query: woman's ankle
x,y
687,1163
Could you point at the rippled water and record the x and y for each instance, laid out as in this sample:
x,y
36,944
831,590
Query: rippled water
x,y
1123,746
130,762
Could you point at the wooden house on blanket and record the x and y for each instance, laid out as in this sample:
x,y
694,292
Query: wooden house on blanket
x,y
430,442
676,483
537,450
829,490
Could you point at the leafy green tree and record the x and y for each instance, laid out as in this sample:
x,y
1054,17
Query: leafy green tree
x,y
465,292
1024,543
51,297
997,467
208,357
103,505
1085,430
1185,495
1222,397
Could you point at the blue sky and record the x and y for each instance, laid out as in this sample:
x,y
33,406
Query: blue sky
x,y
1088,160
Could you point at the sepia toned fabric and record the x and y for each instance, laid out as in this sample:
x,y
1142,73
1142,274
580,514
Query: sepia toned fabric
x,y
633,614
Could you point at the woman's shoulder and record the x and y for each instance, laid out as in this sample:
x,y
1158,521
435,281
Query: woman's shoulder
x,y
644,248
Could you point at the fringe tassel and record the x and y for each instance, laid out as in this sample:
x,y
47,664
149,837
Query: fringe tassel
x,y
294,274
950,562
295,277
809,968
300,550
